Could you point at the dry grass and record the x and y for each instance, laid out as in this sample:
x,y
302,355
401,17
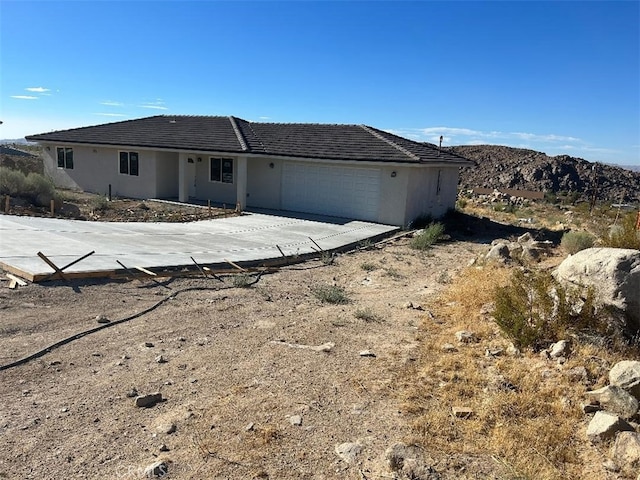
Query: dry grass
x,y
526,412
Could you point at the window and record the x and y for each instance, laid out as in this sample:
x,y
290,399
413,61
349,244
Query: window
x,y
129,163
65,157
221,170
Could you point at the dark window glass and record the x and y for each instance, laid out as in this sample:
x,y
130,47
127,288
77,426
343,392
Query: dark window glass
x,y
124,162
227,170
216,170
133,163
60,157
68,158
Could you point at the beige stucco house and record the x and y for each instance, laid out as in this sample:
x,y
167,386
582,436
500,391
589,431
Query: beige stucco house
x,y
351,171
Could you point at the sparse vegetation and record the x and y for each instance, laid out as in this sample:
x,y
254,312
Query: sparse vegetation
x,y
430,235
330,294
573,242
33,187
367,315
368,266
99,203
624,234
241,280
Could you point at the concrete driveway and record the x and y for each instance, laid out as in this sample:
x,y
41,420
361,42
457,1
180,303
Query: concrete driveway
x,y
248,238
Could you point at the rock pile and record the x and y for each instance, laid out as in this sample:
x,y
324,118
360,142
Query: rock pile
x,y
525,249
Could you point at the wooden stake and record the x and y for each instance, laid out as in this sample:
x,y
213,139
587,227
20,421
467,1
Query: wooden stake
x,y
144,270
314,242
52,265
69,265
235,265
53,207
17,280
209,206
207,269
7,201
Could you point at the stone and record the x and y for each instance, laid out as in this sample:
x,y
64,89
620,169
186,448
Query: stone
x,y
464,336
163,448
102,318
525,238
615,400
408,460
348,451
513,351
367,353
626,452
161,359
295,420
167,428
499,253
449,348
132,393
147,401
614,273
156,470
590,408
578,374
604,426
626,374
462,412
611,466
559,349
148,344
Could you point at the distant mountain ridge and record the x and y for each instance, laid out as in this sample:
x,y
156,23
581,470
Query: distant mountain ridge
x,y
507,167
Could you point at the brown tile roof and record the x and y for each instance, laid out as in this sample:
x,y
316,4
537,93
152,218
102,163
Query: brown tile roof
x,y
235,135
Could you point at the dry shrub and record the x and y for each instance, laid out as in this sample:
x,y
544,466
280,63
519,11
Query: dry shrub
x,y
529,423
573,242
624,234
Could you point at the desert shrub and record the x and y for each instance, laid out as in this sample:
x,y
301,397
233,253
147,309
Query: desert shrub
x,y
421,222
11,181
39,189
429,236
241,280
534,310
367,315
573,242
461,203
99,203
330,294
368,266
624,234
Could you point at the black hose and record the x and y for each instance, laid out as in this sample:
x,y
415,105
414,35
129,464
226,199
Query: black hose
x,y
77,336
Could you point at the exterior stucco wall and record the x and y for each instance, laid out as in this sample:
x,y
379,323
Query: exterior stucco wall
x,y
166,175
393,195
217,192
95,168
263,183
424,198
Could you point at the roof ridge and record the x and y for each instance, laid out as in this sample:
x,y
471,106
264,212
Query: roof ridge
x,y
390,142
241,139
249,124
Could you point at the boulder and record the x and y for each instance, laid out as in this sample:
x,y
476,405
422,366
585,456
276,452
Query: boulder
x,y
605,425
616,400
626,452
626,374
614,273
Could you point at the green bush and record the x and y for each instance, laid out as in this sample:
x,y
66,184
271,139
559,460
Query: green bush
x,y
330,294
429,236
99,203
573,242
39,189
11,182
533,310
624,234
367,315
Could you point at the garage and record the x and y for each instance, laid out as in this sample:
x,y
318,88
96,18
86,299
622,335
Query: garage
x,y
339,191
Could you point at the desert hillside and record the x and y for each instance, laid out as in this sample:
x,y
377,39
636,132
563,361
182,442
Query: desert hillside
x,y
506,167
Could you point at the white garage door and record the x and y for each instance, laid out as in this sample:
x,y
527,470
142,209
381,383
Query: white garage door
x,y
331,190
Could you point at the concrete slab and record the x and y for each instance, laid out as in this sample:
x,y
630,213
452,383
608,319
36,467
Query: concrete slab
x,y
248,238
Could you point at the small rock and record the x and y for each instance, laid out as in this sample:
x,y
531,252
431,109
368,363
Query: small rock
x,y
148,344
156,470
493,352
54,363
513,351
578,374
525,238
626,452
499,252
193,380
590,408
626,374
250,427
462,412
407,305
611,466
559,349
348,451
163,448
182,339
367,353
464,336
102,318
161,359
605,425
148,400
295,420
132,393
64,410
167,428
95,354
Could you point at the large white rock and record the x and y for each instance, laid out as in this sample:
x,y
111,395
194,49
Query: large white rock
x,y
605,425
626,374
616,400
626,452
613,272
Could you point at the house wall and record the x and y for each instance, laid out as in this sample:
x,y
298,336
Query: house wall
x,y
263,183
423,198
215,191
166,175
393,194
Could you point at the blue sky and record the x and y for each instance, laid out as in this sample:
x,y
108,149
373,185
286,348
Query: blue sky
x,y
559,77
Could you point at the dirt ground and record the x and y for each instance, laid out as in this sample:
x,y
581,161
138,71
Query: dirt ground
x,y
244,399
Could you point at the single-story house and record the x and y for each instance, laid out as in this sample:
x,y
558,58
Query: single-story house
x,y
352,171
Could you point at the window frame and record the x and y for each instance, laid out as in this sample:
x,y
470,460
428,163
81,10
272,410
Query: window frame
x,y
131,161
67,159
224,175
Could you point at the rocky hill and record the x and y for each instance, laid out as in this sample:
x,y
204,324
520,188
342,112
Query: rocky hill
x,y
507,167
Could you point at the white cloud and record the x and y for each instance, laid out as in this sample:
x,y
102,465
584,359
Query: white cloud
x,y
155,107
110,103
264,118
24,97
37,89
110,114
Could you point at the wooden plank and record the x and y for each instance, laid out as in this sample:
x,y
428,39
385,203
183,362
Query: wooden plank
x,y
16,271
19,281
13,284
144,270
235,265
75,261
52,265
